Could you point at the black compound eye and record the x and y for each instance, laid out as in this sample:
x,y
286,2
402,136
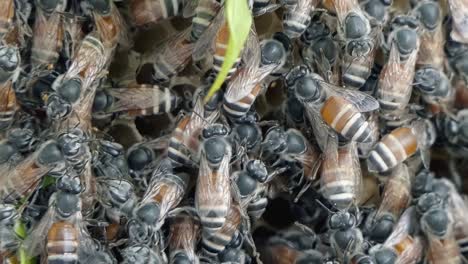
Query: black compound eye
x,y
101,6
355,27
70,90
139,158
48,5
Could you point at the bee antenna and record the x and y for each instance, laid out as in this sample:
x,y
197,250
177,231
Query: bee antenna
x,y
322,205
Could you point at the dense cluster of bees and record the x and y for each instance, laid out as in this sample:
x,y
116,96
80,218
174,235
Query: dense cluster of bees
x,y
324,145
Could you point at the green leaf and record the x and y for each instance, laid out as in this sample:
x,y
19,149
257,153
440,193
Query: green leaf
x,y
48,180
20,230
239,20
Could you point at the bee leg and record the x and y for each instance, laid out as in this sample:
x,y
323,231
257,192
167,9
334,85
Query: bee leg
x,y
454,174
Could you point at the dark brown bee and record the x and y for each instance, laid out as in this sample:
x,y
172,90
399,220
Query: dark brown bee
x,y
213,195
109,23
341,177
9,105
184,236
142,100
459,20
164,193
401,246
9,71
431,50
48,35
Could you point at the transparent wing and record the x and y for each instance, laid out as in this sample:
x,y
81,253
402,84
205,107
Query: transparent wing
x,y
205,43
352,150
321,130
136,98
396,194
265,10
189,7
460,20
164,168
458,207
402,228
362,101
413,253
343,7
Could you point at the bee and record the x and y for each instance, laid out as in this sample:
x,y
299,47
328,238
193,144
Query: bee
x,y
48,34
457,53
400,144
184,141
401,246
250,184
458,209
247,137
360,43
341,179
212,195
297,18
345,237
280,251
110,160
9,71
61,231
164,193
139,101
214,243
117,196
141,253
183,238
109,23
395,198
435,89
459,20
341,109
171,58
431,50
20,180
246,85
75,87
452,134
10,241
205,13
153,11
397,74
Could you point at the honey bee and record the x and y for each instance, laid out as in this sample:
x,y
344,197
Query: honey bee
x,y
183,238
360,43
205,13
139,101
341,179
75,87
246,85
431,50
261,7
164,193
459,20
400,144
184,142
401,246
345,237
395,198
61,231
153,11
397,74
213,195
20,180
297,18
280,251
117,197
9,71
9,106
171,58
109,23
458,209
48,34
216,242
377,9
142,253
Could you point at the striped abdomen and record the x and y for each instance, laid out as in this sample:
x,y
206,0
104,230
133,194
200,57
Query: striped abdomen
x,y
338,180
240,108
392,150
257,207
8,105
356,71
213,244
6,16
344,118
221,44
62,243
463,244
152,11
295,23
212,209
181,146
204,14
164,101
170,191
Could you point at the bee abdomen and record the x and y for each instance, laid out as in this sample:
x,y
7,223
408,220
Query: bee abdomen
x,y
62,243
295,24
345,119
356,75
212,218
463,244
162,70
393,149
257,207
240,108
340,193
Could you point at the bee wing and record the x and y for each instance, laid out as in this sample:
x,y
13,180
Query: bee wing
x,y
458,207
460,20
413,253
184,234
321,131
205,44
86,243
189,7
395,199
265,10
134,98
362,101
34,243
356,169
402,228
164,168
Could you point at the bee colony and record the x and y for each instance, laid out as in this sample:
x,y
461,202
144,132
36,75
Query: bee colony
x,y
339,135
